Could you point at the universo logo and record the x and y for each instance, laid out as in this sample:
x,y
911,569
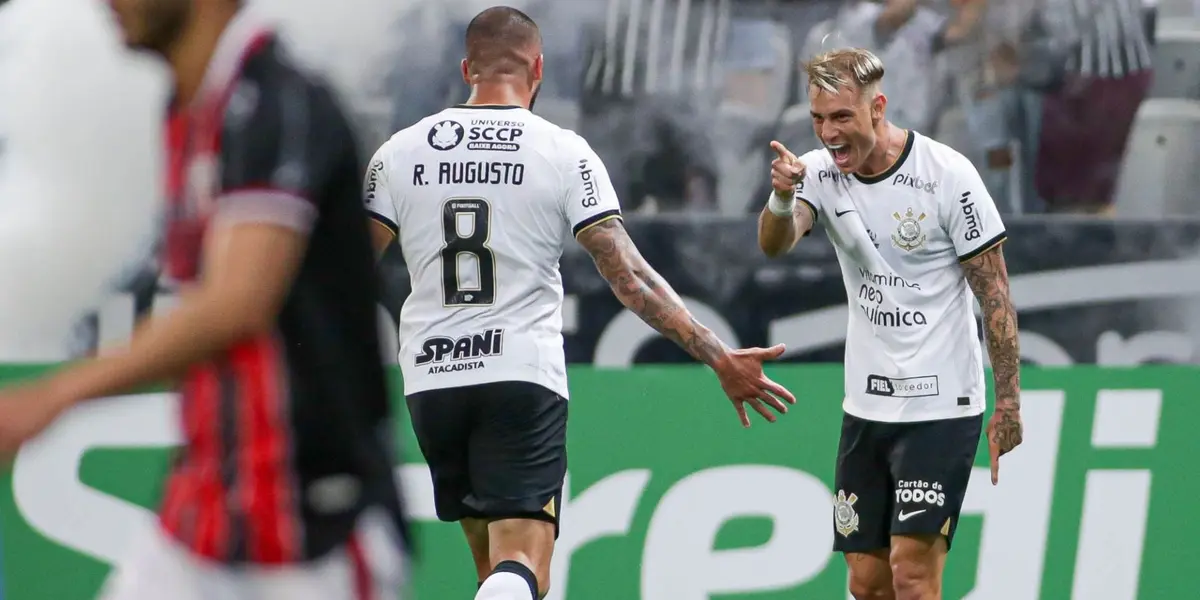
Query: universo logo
x,y
679,558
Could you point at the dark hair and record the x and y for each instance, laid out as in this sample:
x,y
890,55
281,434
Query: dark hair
x,y
499,41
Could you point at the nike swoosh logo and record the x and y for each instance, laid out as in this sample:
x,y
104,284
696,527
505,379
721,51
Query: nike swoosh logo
x,y
842,212
906,516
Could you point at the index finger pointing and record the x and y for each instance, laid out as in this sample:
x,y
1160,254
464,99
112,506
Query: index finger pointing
x,y
783,152
994,460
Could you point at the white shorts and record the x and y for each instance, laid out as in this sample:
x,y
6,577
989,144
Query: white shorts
x,y
160,567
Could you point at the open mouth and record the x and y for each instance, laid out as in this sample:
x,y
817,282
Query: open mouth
x,y
841,154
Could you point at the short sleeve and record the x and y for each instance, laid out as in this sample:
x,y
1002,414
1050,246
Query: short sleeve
x,y
808,189
282,145
377,193
973,221
590,197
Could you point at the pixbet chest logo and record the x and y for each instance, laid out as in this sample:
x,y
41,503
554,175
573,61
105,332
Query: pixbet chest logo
x,y
916,183
833,175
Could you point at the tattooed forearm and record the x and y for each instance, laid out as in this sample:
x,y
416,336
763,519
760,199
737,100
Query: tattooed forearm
x,y
644,292
988,278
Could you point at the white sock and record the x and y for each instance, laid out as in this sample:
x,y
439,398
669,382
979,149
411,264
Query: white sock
x,y
504,586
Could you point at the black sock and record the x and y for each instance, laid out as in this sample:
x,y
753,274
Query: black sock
x,y
520,570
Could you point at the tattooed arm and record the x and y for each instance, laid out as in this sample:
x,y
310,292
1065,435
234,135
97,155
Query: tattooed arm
x,y
592,211
987,275
645,293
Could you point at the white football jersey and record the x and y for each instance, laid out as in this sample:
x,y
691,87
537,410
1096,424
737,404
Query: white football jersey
x,y
483,200
912,346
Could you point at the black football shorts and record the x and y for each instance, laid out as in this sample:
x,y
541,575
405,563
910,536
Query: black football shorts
x,y
901,479
495,450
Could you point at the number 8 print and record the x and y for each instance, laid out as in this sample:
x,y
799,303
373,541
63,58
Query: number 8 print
x,y
474,243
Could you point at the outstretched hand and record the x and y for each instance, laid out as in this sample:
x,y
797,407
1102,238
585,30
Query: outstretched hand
x,y
742,378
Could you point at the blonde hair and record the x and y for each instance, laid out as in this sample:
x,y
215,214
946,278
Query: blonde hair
x,y
854,68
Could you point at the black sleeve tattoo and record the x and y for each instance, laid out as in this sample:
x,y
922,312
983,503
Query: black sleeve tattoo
x,y
644,292
987,275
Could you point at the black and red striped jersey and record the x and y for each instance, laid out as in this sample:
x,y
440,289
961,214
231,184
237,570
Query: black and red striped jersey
x,y
288,436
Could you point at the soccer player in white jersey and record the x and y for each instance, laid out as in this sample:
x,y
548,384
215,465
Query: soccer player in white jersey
x,y
914,228
482,198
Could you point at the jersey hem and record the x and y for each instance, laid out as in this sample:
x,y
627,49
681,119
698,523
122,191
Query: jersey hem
x,y
416,388
487,106
955,412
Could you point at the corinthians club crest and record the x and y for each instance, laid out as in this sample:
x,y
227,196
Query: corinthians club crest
x,y
844,517
908,235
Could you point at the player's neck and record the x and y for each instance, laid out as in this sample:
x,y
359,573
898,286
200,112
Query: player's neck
x,y
888,148
497,94
190,55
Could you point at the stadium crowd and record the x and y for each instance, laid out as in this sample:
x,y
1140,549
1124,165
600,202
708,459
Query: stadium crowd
x,y
681,96
1065,106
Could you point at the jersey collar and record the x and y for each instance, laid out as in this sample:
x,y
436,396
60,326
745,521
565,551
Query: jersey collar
x,y
488,106
909,136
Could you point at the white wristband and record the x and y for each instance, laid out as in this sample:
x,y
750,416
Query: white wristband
x,y
779,207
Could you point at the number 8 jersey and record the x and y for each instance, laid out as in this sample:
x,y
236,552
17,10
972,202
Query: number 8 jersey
x,y
482,200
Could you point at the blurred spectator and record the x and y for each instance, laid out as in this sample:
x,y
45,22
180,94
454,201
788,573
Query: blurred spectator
x,y
904,35
632,76
993,106
423,75
909,35
758,74
1080,70
648,99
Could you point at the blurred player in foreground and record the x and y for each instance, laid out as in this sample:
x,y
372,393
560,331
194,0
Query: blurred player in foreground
x,y
913,227
483,197
284,487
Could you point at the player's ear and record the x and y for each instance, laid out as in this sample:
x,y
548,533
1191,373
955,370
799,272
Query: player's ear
x,y
878,107
466,72
539,64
